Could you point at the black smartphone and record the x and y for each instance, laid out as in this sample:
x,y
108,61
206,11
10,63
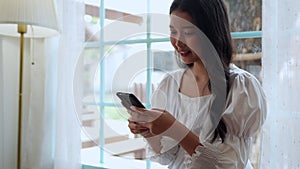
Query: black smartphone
x,y
129,99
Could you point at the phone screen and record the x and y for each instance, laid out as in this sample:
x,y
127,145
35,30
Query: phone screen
x,y
129,99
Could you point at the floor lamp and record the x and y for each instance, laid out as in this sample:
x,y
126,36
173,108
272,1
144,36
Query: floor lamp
x,y
39,16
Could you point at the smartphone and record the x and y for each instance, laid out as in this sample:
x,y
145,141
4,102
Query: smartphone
x,y
129,99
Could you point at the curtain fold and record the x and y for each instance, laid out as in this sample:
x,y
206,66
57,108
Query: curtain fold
x,y
281,79
1,110
67,126
68,143
51,129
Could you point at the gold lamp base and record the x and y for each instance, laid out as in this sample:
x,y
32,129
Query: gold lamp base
x,y
22,29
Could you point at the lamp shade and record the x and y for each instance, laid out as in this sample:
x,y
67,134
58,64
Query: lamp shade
x,y
39,15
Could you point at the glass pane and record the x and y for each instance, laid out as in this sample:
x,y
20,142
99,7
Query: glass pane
x,y
115,125
125,65
160,16
164,61
127,27
91,19
245,16
121,20
160,7
248,53
90,126
160,25
90,58
117,113
132,7
251,45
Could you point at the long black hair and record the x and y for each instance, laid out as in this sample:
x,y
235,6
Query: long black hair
x,y
211,17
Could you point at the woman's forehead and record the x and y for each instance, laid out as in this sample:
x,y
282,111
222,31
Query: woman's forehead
x,y
181,19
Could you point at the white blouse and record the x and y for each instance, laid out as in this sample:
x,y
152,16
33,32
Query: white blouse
x,y
244,114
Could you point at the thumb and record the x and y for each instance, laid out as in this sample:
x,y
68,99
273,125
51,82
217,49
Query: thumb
x,y
139,109
157,109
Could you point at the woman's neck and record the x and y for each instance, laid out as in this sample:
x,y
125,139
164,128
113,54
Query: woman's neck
x,y
199,72
195,81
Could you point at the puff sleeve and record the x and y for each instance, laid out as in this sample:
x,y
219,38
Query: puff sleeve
x,y
246,106
244,115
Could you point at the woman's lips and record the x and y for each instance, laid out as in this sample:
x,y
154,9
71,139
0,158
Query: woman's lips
x,y
185,54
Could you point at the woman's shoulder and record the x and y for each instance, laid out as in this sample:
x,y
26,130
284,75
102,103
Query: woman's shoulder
x,y
174,76
171,80
238,75
243,83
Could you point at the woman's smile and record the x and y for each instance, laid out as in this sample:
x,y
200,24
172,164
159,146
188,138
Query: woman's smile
x,y
185,53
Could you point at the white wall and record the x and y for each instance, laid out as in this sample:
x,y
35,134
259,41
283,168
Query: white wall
x,y
8,101
9,92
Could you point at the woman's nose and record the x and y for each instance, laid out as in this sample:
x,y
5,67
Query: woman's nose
x,y
180,43
179,40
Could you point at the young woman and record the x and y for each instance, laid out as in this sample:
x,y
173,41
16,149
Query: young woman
x,y
205,114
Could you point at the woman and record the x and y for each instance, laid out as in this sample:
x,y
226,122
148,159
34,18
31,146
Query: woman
x,y
197,121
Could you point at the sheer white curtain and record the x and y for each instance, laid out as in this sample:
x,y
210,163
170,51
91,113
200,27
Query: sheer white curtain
x,y
51,130
67,133
281,80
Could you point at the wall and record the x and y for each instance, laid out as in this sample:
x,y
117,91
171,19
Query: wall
x,y
9,95
9,88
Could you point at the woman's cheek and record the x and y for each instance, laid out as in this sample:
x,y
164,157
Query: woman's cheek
x,y
173,42
194,44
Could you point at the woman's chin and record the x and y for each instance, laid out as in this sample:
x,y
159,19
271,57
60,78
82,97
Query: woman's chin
x,y
187,62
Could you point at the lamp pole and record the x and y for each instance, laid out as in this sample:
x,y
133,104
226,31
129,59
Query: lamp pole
x,y
22,29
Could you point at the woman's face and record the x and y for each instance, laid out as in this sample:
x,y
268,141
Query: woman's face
x,y
183,36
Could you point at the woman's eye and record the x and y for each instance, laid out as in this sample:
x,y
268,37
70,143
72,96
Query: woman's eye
x,y
188,33
173,32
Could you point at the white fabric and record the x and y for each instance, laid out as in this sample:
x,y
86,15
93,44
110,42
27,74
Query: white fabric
x,y
245,113
281,81
67,126
51,133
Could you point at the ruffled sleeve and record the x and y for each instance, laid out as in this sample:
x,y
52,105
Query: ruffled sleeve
x,y
168,153
203,158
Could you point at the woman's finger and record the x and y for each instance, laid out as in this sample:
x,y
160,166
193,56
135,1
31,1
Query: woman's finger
x,y
136,126
154,113
135,131
145,124
139,117
139,109
157,109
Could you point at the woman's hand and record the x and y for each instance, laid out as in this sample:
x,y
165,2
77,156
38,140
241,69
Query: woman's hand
x,y
157,121
136,128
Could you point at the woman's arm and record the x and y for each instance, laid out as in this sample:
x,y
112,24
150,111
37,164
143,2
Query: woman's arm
x,y
190,142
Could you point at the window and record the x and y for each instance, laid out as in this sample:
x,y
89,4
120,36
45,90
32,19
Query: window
x,y
123,52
